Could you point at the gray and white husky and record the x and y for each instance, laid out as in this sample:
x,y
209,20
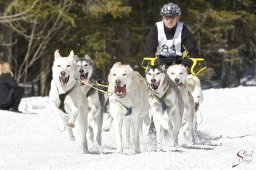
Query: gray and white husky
x,y
166,105
66,99
96,99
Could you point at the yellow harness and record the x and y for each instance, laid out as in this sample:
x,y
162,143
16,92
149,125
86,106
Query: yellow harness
x,y
197,67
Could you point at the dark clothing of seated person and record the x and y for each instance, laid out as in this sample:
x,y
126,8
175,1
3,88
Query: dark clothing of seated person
x,y
10,92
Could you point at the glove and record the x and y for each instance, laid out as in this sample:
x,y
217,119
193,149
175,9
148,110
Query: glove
x,y
187,62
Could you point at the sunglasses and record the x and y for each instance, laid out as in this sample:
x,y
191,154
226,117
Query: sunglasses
x,y
169,17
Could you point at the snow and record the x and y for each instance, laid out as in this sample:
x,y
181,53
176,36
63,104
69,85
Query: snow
x,y
33,142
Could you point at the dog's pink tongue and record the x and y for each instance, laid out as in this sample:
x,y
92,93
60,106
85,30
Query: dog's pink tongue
x,y
84,76
64,80
120,91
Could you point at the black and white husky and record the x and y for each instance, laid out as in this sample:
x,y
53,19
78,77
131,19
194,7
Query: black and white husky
x,y
166,105
66,99
96,99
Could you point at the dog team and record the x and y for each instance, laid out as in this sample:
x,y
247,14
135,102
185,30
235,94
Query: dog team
x,y
168,97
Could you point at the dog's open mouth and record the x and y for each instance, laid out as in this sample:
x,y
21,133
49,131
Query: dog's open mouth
x,y
155,86
84,76
179,84
120,91
64,80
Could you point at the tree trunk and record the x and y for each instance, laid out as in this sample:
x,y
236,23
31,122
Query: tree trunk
x,y
6,53
224,73
44,84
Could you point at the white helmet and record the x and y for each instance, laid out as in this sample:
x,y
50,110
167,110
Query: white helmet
x,y
170,10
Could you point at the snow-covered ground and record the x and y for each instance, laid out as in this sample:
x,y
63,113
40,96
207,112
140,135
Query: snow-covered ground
x,y
226,137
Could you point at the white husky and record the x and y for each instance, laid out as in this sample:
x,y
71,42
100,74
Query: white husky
x,y
178,74
128,103
66,98
96,100
165,101
196,91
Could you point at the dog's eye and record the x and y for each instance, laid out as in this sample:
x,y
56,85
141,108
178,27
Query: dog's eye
x,y
114,74
181,73
124,74
68,65
58,65
86,65
149,74
157,73
172,73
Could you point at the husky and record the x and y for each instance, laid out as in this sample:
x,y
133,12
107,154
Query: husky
x,y
96,99
165,101
196,90
128,103
66,99
178,73
194,86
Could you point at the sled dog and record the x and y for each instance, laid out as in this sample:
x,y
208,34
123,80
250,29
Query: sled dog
x,y
195,89
128,103
178,74
66,99
165,101
96,99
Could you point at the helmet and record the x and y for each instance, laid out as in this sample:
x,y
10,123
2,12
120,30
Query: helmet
x,y
170,10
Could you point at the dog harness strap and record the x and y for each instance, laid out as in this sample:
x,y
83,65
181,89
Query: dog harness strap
x,y
163,104
90,92
129,111
61,106
62,99
161,100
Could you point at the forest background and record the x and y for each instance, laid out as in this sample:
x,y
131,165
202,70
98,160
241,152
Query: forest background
x,y
116,30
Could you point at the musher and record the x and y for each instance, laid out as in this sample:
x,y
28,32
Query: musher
x,y
170,41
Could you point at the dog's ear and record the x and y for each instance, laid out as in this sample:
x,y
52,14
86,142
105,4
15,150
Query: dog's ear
x,y
163,68
71,54
148,67
129,68
88,58
109,81
57,54
117,64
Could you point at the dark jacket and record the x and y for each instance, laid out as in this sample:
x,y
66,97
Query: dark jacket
x,y
186,39
7,86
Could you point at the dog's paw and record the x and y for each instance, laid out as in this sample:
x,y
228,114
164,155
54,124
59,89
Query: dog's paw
x,y
71,138
106,129
166,126
137,151
85,150
61,126
120,150
106,126
62,129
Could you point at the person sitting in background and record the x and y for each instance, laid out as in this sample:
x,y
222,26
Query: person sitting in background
x,y
10,92
170,40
